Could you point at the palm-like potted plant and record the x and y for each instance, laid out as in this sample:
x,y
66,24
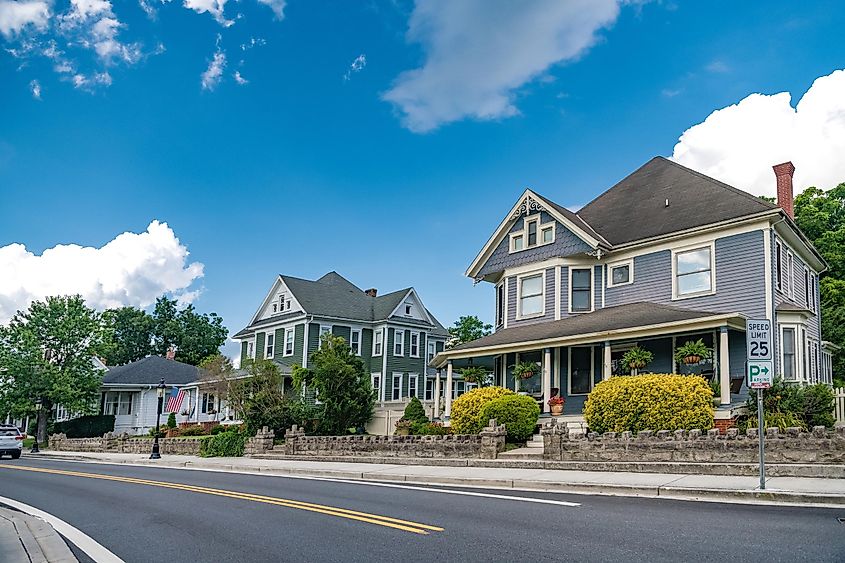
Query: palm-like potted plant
x,y
525,370
637,358
556,405
692,352
474,374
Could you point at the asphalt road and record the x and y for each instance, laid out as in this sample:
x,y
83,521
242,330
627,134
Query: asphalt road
x,y
147,514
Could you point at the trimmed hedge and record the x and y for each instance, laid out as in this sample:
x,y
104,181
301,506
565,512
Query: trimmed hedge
x,y
224,444
650,402
466,409
91,426
518,413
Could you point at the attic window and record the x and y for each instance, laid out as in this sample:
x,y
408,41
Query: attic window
x,y
533,234
408,309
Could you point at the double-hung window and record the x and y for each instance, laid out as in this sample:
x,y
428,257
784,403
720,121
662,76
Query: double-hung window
x,y
375,378
355,341
807,289
398,342
413,379
414,351
250,349
790,275
432,351
581,290
788,351
269,345
531,296
397,387
118,403
694,272
289,333
378,342
813,290
208,403
429,389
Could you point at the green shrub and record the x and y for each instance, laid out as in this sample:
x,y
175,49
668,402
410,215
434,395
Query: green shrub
x,y
781,420
466,409
429,429
224,444
91,426
171,420
650,402
215,430
414,411
812,404
195,430
519,414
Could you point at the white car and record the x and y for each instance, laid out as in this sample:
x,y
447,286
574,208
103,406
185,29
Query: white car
x,y
11,441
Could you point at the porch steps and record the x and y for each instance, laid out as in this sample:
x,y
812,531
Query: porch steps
x,y
535,442
523,453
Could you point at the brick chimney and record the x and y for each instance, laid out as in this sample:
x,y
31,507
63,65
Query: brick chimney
x,y
783,173
372,292
171,353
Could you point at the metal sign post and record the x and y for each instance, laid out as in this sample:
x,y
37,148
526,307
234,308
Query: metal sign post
x,y
758,335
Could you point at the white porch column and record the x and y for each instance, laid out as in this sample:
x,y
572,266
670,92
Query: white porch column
x,y
607,367
547,378
448,411
724,367
437,395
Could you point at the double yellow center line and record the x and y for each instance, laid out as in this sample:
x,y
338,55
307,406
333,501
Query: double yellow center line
x,y
386,521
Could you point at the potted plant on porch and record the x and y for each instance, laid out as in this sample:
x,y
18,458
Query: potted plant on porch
x,y
525,370
637,358
474,374
692,352
403,427
556,405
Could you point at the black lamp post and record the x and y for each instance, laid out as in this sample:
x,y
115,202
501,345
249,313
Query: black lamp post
x,y
156,454
35,449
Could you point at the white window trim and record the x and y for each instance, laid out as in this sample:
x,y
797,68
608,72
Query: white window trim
x,y
778,265
790,274
542,313
675,252
415,377
524,233
503,312
358,332
250,349
569,371
592,288
430,350
267,354
814,288
428,381
292,332
398,338
612,265
400,375
797,352
376,376
376,334
808,288
411,345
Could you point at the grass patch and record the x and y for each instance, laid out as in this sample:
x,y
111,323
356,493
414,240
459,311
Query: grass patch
x,y
28,442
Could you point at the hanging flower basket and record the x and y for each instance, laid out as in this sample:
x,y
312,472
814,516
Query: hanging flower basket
x,y
692,352
525,370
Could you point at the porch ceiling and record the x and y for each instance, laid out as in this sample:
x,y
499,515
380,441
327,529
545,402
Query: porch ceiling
x,y
623,321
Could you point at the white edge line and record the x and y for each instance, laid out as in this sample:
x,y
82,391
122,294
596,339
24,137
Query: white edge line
x,y
86,543
351,482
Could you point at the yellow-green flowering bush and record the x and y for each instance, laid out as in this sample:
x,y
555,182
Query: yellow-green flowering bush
x,y
519,414
466,409
650,402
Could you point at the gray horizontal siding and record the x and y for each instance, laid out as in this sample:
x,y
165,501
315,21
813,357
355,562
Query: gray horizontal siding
x,y
566,244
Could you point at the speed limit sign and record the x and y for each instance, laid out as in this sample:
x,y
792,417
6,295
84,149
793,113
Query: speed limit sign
x,y
758,338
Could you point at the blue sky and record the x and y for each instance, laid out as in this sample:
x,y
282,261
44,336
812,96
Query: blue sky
x,y
392,179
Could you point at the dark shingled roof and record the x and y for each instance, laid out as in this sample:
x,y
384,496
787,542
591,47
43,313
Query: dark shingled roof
x,y
611,318
635,208
149,370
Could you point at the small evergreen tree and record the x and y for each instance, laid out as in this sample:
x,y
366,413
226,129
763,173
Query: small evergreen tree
x,y
414,411
171,420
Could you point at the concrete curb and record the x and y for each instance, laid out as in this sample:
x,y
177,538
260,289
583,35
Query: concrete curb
x,y
667,491
39,541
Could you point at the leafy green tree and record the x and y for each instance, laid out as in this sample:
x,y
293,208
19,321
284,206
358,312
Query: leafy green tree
x,y
195,336
128,335
342,385
467,329
46,352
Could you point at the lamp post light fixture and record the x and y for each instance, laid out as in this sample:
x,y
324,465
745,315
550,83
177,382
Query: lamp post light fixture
x,y
161,387
35,449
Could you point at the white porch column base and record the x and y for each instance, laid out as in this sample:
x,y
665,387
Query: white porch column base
x,y
607,368
724,367
448,412
547,378
436,413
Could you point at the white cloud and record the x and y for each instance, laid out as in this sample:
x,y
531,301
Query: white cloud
x,y
739,144
213,7
35,88
717,67
357,66
240,79
15,15
132,269
479,52
214,73
278,7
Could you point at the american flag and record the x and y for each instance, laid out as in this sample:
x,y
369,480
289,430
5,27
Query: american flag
x,y
174,401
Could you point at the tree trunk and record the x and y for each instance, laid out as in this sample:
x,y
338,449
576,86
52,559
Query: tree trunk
x,y
43,414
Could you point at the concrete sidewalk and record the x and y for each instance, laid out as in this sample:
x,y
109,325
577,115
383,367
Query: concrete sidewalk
x,y
26,539
781,490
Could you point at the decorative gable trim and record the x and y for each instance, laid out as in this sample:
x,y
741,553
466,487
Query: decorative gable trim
x,y
412,294
271,295
528,202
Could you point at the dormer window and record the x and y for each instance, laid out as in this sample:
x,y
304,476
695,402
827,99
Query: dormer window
x,y
533,234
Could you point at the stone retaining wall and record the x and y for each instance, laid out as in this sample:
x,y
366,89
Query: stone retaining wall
x,y
486,445
124,444
793,446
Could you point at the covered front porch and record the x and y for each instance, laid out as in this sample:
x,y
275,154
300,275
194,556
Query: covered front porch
x,y
574,354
